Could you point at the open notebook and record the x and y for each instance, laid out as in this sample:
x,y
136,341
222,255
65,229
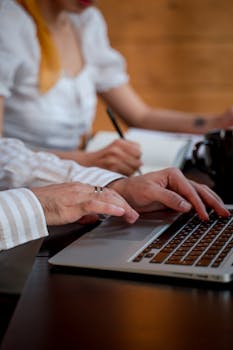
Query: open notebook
x,y
159,149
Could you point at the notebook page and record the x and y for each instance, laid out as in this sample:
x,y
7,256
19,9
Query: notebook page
x,y
159,149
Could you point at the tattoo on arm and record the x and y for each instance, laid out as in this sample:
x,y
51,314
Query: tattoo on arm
x,y
199,122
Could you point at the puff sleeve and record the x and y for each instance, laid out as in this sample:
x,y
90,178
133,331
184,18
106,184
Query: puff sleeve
x,y
108,64
9,62
16,43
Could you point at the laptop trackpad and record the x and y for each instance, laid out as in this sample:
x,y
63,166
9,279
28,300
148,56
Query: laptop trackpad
x,y
117,228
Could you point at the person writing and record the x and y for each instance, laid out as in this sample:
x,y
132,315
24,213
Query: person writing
x,y
39,189
52,66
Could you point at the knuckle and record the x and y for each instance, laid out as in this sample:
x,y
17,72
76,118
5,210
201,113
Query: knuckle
x,y
118,143
175,171
113,151
204,187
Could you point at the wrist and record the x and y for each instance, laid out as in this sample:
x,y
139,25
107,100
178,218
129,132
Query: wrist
x,y
205,123
118,185
83,158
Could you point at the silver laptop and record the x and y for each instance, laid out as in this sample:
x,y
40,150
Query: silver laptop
x,y
161,243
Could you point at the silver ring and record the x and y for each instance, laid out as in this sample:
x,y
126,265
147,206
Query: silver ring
x,y
98,189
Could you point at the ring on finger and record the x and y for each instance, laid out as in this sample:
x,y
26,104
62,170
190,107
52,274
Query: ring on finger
x,y
98,189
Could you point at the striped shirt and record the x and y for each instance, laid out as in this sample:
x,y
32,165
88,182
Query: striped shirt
x,y
21,215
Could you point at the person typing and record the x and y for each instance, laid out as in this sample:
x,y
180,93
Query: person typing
x,y
39,189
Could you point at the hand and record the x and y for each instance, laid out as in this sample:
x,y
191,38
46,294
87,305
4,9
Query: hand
x,y
224,120
168,188
68,202
121,156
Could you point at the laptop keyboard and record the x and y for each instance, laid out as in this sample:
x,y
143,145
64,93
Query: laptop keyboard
x,y
190,241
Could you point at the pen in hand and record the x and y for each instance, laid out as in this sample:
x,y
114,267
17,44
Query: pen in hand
x,y
117,127
114,122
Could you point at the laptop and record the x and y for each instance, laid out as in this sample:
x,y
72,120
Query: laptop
x,y
160,243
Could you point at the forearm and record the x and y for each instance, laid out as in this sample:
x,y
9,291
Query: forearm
x,y
174,121
71,155
136,113
81,157
19,166
76,166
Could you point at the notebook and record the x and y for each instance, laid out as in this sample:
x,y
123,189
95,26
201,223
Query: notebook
x,y
160,243
159,149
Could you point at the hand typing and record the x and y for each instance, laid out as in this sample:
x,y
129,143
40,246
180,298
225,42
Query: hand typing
x,y
168,188
69,202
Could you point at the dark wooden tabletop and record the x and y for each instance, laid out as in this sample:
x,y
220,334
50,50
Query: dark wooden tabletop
x,y
71,309
76,309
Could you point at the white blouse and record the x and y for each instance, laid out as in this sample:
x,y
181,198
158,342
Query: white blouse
x,y
21,215
58,118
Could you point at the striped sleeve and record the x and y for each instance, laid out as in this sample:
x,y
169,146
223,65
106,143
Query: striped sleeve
x,y
19,166
22,218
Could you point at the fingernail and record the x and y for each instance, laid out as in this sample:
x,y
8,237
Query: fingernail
x,y
185,205
204,217
227,213
133,217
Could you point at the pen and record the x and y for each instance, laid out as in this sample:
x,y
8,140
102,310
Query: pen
x,y
114,122
118,129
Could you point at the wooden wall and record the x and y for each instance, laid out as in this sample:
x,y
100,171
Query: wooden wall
x,y
179,52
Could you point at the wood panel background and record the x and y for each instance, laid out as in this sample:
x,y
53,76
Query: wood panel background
x,y
179,52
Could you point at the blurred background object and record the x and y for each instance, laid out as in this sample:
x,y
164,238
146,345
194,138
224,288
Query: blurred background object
x,y
188,47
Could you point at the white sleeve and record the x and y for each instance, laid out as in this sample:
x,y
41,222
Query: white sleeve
x,y
21,218
109,65
17,42
9,64
21,167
